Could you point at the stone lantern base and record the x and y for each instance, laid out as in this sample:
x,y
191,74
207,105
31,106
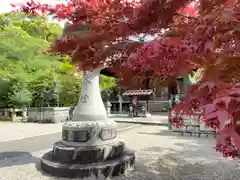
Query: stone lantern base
x,y
89,145
75,157
114,165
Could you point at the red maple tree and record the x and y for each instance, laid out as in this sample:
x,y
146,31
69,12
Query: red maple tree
x,y
197,34
98,29
208,40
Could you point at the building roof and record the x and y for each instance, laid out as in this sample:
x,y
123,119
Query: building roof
x,y
144,92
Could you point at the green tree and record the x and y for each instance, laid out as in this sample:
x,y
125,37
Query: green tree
x,y
107,83
38,27
22,63
70,89
26,74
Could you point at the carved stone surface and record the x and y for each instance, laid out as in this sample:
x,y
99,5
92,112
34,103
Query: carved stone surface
x,y
84,136
75,136
89,144
90,106
107,134
89,133
86,155
89,125
108,168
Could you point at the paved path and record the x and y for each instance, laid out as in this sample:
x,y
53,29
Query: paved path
x,y
160,155
13,148
17,131
14,131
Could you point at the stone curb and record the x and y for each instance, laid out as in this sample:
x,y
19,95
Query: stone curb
x,y
142,122
128,128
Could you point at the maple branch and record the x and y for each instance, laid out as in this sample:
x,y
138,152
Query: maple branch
x,y
185,16
123,47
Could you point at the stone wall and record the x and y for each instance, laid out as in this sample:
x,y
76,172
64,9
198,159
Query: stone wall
x,y
11,114
48,114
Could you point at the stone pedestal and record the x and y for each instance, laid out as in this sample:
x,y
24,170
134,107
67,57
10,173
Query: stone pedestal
x,y
89,145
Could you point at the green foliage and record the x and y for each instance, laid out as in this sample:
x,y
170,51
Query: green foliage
x,y
108,86
70,89
35,26
4,21
5,85
21,97
27,74
107,83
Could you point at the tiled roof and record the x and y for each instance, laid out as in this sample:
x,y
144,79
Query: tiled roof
x,y
145,92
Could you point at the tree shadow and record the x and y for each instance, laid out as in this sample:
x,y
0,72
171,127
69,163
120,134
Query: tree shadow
x,y
19,158
181,161
170,167
15,158
189,158
158,163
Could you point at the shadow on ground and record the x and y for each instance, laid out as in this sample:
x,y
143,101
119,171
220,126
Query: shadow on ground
x,y
15,158
186,158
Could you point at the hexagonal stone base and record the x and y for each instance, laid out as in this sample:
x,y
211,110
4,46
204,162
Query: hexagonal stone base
x,y
86,155
108,168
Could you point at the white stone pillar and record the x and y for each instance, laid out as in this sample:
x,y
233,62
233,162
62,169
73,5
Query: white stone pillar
x,y
120,103
90,106
90,120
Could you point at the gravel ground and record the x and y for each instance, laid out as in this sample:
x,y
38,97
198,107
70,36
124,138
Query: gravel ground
x,y
28,130
161,155
21,147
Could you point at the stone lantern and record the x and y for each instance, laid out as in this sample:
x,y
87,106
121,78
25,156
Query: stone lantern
x,y
89,144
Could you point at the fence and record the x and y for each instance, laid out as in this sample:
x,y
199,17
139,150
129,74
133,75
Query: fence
x,y
192,125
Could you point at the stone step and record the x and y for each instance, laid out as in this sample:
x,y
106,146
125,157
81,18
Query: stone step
x,y
86,155
108,168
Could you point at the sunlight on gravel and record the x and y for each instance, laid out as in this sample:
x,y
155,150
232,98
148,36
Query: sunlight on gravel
x,y
160,155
